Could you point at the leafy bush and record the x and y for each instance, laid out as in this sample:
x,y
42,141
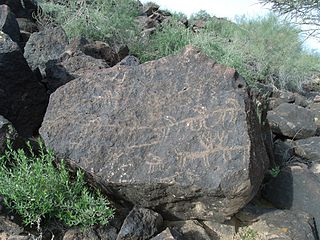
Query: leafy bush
x,y
264,50
33,187
105,20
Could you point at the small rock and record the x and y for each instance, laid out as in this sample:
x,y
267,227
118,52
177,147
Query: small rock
x,y
164,235
43,46
225,231
308,148
27,25
190,230
292,121
129,61
7,131
316,99
140,224
149,8
101,50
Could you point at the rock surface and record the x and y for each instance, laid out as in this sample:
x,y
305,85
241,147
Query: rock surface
x,y
140,224
292,121
190,230
23,100
164,235
295,188
21,8
9,24
43,46
266,224
179,134
308,148
63,70
6,131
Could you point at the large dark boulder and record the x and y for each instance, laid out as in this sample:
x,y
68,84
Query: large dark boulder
x,y
179,135
9,24
296,188
23,100
292,121
43,46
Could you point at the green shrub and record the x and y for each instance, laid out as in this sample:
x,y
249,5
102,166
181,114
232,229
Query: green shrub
x,y
264,50
35,188
105,20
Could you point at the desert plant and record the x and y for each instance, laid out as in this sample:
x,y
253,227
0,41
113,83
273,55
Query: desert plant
x,y
106,20
35,188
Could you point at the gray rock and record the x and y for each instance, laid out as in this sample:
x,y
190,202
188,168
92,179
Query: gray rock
x,y
164,235
315,108
266,224
308,148
69,67
283,152
7,131
292,121
295,188
27,25
140,224
43,46
180,132
23,100
224,231
11,231
129,61
149,8
190,230
9,24
101,233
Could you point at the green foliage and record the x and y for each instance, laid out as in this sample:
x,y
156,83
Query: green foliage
x,y
264,50
35,188
248,234
106,20
275,171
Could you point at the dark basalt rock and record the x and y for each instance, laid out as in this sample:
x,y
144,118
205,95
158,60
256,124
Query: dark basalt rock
x,y
164,235
23,100
9,24
179,135
308,148
43,46
292,121
140,224
21,9
295,188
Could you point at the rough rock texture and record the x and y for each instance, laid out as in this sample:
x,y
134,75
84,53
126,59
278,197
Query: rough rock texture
x,y
63,70
308,148
190,230
140,224
102,233
43,46
179,134
267,224
11,231
101,50
129,61
223,231
6,131
295,188
283,152
23,100
315,108
9,24
164,235
292,121
22,9
27,25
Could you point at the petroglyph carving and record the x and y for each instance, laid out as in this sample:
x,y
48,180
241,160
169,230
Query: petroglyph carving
x,y
155,163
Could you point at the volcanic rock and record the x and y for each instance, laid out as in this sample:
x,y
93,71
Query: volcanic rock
x,y
179,135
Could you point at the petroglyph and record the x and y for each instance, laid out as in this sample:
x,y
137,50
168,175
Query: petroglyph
x,y
155,163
